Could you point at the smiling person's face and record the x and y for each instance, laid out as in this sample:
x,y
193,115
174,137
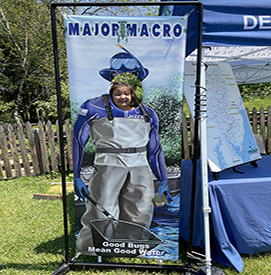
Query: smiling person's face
x,y
122,98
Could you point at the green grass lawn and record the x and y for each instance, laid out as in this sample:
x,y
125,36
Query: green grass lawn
x,y
31,233
258,103
31,230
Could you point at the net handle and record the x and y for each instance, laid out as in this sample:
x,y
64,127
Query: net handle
x,y
97,205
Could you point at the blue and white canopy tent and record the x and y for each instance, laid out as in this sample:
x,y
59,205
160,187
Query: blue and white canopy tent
x,y
237,32
250,64
228,23
240,31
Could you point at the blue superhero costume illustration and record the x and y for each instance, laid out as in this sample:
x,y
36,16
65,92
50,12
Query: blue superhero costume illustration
x,y
94,109
127,150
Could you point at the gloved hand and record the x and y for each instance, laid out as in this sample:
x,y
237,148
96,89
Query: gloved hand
x,y
78,185
163,189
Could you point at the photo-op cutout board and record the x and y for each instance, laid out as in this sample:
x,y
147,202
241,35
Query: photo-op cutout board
x,y
99,50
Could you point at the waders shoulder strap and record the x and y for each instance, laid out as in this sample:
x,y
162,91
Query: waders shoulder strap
x,y
107,106
109,113
146,115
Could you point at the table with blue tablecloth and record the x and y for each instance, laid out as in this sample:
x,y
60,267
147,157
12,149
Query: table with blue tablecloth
x,y
240,221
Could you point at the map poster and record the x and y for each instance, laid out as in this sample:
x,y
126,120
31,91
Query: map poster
x,y
230,140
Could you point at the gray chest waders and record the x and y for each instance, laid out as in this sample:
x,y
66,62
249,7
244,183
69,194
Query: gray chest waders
x,y
122,182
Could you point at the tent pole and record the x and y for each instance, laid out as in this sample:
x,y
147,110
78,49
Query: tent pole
x,y
204,171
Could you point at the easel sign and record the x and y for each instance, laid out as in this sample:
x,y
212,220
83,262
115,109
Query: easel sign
x,y
230,140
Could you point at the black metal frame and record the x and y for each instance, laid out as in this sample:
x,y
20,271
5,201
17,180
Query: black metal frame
x,y
68,263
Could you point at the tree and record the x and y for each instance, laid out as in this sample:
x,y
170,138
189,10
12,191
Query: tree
x,y
48,109
27,81
105,10
253,91
27,59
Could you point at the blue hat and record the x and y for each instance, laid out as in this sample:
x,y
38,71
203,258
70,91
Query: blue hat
x,y
124,63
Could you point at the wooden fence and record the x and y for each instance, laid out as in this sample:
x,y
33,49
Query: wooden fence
x,y
28,150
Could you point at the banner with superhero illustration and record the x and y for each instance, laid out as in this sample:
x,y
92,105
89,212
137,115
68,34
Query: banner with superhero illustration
x,y
126,91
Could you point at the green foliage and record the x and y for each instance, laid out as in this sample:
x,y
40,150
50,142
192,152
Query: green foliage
x,y
6,111
27,57
48,109
141,10
74,110
255,91
167,102
27,82
133,81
